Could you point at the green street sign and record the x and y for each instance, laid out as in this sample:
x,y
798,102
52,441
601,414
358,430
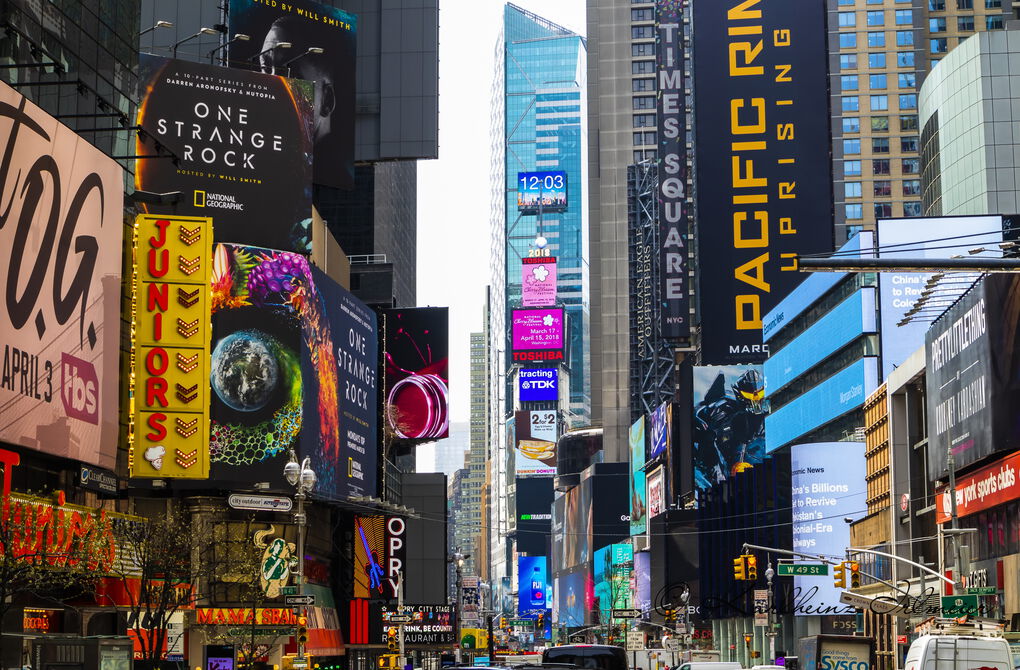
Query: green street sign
x,y
981,591
803,569
521,622
288,590
957,606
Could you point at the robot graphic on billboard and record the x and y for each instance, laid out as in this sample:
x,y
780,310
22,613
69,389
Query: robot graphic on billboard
x,y
729,428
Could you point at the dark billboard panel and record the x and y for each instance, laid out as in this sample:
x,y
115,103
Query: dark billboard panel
x,y
972,382
241,145
418,372
541,192
322,52
671,110
729,421
763,167
534,500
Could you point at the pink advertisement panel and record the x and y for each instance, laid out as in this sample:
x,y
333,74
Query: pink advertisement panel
x,y
537,329
538,282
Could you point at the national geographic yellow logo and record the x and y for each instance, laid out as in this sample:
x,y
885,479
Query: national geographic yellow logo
x,y
199,198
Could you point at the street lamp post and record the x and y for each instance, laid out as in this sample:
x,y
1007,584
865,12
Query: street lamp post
x,y
201,31
257,58
238,37
457,559
302,478
309,52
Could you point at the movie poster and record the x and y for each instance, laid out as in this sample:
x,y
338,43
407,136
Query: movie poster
x,y
307,26
729,421
417,372
236,145
638,502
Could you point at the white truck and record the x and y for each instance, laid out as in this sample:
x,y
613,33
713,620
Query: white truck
x,y
946,644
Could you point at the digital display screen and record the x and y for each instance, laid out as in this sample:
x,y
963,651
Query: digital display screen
x,y
537,329
541,191
538,384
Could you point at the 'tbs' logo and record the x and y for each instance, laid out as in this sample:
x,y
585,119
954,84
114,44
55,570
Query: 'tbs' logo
x,y
79,389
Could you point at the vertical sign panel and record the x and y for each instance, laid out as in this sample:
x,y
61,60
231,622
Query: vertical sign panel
x,y
172,328
538,281
638,502
672,190
763,171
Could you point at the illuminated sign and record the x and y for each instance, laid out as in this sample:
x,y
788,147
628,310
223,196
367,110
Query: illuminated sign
x,y
39,620
171,326
541,192
537,335
263,616
379,556
536,434
538,384
538,281
535,517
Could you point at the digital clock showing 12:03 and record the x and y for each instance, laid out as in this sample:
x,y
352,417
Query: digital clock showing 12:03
x,y
541,191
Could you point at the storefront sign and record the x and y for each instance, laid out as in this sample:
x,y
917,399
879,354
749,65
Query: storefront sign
x,y
98,480
171,310
983,489
379,556
40,620
262,616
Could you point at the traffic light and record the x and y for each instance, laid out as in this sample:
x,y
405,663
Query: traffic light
x,y
302,630
839,575
855,574
391,639
752,567
747,639
740,568
502,622
541,621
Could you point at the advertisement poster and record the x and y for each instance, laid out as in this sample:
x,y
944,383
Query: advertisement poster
x,y
60,260
578,516
538,281
379,549
571,597
983,489
538,384
537,329
418,372
541,192
661,425
642,580
827,485
305,26
638,502
533,498
729,421
763,152
532,586
612,566
536,435
656,494
241,147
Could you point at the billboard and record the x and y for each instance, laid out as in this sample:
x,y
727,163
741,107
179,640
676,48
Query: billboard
x,y
541,192
241,146
418,372
612,566
170,346
531,585
973,353
307,25
537,330
763,165
380,551
570,596
61,304
533,503
729,421
642,578
661,425
673,224
578,525
538,281
827,480
982,489
938,237
535,445
656,494
538,384
638,501
431,624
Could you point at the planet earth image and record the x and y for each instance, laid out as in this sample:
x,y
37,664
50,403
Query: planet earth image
x,y
244,371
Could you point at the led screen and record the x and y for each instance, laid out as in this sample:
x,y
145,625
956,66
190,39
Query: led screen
x,y
537,329
538,281
541,192
417,372
538,384
729,421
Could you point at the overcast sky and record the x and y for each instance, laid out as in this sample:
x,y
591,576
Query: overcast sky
x,y
453,191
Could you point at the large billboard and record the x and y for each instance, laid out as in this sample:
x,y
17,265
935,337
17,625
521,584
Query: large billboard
x,y
570,597
973,387
673,224
661,421
638,501
729,421
642,583
380,551
538,384
827,485
535,445
418,372
656,494
538,330
533,502
60,260
763,165
532,596
612,566
541,192
241,150
306,27
538,281
982,489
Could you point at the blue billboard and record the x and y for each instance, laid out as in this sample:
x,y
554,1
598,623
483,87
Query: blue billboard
x,y
570,596
538,384
541,191
532,597
638,501
828,485
611,569
661,421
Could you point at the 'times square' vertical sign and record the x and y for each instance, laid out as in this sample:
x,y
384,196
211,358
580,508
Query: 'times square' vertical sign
x,y
672,190
763,167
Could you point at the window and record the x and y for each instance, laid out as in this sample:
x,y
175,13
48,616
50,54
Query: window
x,y
883,210
937,25
876,60
848,82
852,189
990,4
851,147
643,84
912,187
965,4
642,32
848,61
851,103
880,124
880,145
846,2
879,103
908,122
994,22
642,49
904,38
876,18
875,2
965,23
905,59
854,210
876,39
644,102
877,81
937,5
851,168
938,45
883,188
642,67
640,155
641,15
848,40
851,124
644,120
911,166
908,101
904,17
847,19
912,208
880,166
908,145
907,80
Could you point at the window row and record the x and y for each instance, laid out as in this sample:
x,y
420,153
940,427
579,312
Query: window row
x,y
881,188
902,17
877,60
871,2
904,38
852,124
850,82
878,103
883,210
882,166
879,145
